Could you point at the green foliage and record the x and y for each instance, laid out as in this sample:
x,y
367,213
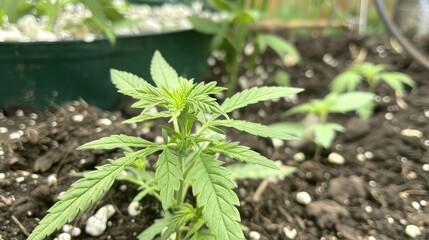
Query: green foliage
x,y
187,158
105,15
247,171
323,131
240,28
373,75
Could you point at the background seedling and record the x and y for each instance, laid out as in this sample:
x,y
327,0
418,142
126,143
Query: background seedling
x,y
239,31
323,132
373,75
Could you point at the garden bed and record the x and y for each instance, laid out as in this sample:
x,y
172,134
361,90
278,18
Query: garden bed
x,y
381,188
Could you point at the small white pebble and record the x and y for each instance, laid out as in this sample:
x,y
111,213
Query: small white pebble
x,y
413,231
123,187
412,133
361,157
14,135
64,236
75,231
134,209
19,113
369,155
423,203
96,224
67,228
425,167
254,235
19,179
159,139
336,158
290,233
368,209
371,238
104,122
32,116
2,176
299,157
391,220
51,180
415,205
3,130
303,198
78,118
388,116
403,222
277,143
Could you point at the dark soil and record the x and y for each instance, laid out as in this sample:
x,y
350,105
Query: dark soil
x,y
380,189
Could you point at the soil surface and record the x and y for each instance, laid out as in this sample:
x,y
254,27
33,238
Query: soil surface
x,y
380,189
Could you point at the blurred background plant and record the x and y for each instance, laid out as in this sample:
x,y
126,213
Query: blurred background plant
x,y
239,37
101,16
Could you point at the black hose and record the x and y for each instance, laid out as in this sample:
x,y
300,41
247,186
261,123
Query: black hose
x,y
414,53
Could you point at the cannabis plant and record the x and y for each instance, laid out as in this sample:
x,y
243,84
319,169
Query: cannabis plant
x,y
323,131
373,75
238,30
187,157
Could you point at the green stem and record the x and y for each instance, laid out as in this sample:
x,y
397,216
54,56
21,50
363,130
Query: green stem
x,y
233,79
317,152
264,6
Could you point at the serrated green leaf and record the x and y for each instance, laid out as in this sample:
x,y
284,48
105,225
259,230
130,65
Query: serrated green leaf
x,y
116,141
204,25
255,129
84,192
213,190
181,216
162,73
127,83
397,80
301,108
168,174
156,228
324,133
292,128
255,95
366,111
242,153
346,82
257,172
148,116
351,101
224,5
284,49
282,78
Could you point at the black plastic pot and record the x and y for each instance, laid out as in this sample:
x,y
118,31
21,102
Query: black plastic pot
x,y
42,74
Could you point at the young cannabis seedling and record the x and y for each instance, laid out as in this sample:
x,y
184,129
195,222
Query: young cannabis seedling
x,y
323,131
238,30
187,158
373,75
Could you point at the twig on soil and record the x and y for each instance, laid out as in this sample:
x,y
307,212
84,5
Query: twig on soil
x,y
400,101
21,227
261,188
359,56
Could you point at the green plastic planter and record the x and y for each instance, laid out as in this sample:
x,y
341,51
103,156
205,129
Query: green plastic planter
x,y
43,75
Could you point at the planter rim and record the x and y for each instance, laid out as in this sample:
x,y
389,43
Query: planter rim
x,y
99,39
